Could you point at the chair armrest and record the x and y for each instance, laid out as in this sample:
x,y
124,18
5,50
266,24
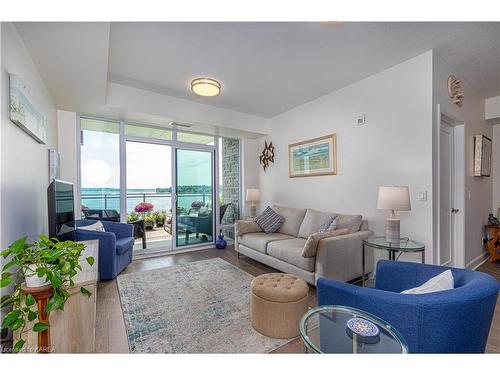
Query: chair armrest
x,y
121,230
340,257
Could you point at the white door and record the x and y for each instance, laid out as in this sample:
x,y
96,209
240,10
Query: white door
x,y
447,211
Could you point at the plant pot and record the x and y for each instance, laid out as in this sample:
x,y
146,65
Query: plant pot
x,y
32,280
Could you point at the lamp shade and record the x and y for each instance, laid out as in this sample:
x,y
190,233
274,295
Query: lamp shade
x,y
253,195
395,198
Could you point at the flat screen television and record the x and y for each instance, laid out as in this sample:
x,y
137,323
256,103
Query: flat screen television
x,y
61,210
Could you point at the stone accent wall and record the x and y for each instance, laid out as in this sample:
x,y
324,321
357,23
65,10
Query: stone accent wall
x,y
230,189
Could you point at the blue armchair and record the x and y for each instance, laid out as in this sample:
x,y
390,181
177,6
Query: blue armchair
x,y
115,245
452,321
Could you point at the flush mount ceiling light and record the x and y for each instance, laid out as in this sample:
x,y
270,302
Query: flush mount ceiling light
x,y
205,86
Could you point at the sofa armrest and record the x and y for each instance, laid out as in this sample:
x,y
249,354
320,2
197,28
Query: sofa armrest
x,y
242,227
340,257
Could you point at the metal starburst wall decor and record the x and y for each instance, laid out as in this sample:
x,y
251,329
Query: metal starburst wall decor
x,y
267,155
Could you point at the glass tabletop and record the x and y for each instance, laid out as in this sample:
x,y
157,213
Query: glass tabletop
x,y
404,244
325,329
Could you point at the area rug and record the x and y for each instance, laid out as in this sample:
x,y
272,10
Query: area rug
x,y
199,307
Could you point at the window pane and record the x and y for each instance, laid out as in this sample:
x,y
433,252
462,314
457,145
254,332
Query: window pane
x,y
100,125
100,169
196,138
145,132
229,179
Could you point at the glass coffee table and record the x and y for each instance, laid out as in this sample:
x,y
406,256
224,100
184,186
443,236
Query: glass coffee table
x,y
325,329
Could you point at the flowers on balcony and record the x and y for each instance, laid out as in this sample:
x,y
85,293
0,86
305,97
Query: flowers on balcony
x,y
144,207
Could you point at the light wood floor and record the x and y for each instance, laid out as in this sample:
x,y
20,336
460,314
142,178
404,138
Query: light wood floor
x,y
110,327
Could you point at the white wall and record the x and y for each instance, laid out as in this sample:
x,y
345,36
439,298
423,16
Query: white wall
x,y
24,161
492,108
394,147
496,169
472,114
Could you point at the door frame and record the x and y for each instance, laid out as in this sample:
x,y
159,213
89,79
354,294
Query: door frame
x,y
458,191
215,201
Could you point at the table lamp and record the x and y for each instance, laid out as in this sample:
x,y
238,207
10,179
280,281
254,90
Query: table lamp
x,y
253,196
394,198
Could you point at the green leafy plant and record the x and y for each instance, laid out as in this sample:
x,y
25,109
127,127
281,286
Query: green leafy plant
x,y
133,216
56,261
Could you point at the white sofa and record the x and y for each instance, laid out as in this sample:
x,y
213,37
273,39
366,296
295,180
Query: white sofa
x,y
337,258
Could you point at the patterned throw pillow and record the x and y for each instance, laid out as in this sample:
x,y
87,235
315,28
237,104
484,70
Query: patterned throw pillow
x,y
330,224
269,220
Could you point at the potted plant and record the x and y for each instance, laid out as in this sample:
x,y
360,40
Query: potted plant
x,y
143,208
46,262
159,218
149,221
133,216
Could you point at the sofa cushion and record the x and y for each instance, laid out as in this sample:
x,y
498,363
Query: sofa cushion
x,y
293,219
351,222
314,218
312,221
124,244
259,241
290,251
269,220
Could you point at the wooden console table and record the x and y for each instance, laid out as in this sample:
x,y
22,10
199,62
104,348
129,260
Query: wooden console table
x,y
493,242
73,330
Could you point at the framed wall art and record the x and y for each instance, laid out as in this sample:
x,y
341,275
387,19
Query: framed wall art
x,y
482,156
314,157
23,111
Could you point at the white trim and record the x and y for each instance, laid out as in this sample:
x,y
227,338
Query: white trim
x,y
123,172
484,255
459,170
78,205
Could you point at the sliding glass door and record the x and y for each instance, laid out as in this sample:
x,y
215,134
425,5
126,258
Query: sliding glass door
x,y
149,195
194,193
177,187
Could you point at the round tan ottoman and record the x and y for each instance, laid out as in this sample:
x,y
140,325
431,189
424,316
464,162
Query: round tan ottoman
x,y
277,302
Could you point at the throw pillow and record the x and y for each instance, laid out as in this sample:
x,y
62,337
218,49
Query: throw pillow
x,y
443,281
242,227
311,246
269,220
97,226
329,225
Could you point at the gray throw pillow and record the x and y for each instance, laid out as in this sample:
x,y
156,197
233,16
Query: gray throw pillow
x,y
269,220
330,224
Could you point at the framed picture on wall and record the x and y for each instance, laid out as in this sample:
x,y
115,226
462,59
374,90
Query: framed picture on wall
x,y
482,156
314,157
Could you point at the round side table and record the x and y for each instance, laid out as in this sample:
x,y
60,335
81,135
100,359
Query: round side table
x,y
403,246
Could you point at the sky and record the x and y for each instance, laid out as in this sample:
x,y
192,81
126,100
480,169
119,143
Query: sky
x,y
148,165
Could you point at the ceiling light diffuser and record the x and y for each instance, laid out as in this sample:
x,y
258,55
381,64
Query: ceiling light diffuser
x,y
205,86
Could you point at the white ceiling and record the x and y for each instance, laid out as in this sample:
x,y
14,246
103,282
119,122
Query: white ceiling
x,y
265,68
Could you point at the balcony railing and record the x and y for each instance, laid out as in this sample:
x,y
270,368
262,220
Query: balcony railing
x,y
161,201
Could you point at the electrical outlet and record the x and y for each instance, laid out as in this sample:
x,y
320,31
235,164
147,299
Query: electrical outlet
x,y
360,120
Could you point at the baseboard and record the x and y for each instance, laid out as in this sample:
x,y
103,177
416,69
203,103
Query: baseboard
x,y
477,261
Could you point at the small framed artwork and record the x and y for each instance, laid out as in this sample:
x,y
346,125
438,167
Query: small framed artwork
x,y
482,156
23,111
315,157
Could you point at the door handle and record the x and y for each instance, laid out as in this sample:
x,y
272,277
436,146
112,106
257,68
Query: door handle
x,y
454,210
